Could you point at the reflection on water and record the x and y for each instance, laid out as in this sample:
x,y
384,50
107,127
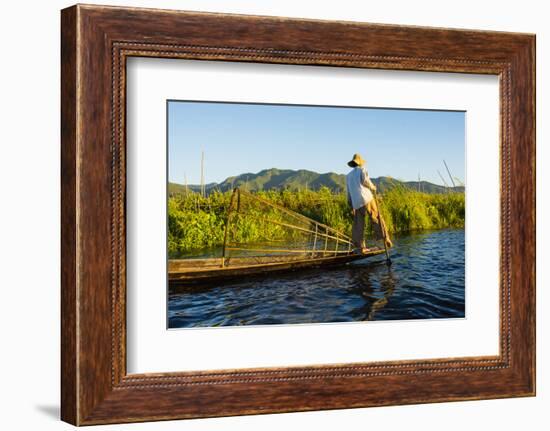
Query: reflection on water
x,y
375,292
426,280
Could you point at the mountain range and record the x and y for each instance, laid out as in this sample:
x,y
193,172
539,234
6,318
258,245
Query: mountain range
x,y
280,179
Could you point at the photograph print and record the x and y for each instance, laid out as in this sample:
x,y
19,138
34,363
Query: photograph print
x,y
298,214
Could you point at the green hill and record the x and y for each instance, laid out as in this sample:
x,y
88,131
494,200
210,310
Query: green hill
x,y
281,179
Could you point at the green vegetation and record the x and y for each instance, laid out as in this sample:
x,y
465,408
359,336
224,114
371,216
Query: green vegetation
x,y
196,222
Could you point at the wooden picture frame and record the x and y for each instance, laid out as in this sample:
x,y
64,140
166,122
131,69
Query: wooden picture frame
x,y
95,43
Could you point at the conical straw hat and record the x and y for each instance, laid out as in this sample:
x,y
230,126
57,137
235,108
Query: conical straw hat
x,y
356,161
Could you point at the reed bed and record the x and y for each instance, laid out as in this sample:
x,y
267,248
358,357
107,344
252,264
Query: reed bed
x,y
196,222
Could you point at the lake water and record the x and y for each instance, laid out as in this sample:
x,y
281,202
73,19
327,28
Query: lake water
x,y
425,281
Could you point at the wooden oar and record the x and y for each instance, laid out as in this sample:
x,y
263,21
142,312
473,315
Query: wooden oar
x,y
388,260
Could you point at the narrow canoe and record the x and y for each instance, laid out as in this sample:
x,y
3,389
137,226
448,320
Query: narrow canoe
x,y
186,272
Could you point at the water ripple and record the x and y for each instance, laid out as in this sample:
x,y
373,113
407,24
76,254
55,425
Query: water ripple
x,y
426,281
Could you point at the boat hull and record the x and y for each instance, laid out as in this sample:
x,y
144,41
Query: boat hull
x,y
183,273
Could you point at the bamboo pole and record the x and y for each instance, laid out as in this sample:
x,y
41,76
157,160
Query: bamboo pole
x,y
449,172
315,239
291,226
388,260
444,182
281,250
238,199
227,222
202,174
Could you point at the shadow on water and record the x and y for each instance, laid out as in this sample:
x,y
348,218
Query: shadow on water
x,y
426,280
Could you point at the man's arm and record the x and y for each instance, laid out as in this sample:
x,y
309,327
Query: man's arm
x,y
365,180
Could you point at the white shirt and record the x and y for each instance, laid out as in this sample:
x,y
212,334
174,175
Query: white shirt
x,y
359,187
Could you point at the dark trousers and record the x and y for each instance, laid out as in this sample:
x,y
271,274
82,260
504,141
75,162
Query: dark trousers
x,y
358,225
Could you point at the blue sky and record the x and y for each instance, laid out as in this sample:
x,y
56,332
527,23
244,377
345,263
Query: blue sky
x,y
241,138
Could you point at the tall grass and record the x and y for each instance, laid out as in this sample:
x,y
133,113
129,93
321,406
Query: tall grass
x,y
407,210
196,222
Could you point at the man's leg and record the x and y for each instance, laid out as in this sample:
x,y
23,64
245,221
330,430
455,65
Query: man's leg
x,y
358,228
380,229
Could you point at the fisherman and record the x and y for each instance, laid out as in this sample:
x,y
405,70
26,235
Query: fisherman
x,y
360,191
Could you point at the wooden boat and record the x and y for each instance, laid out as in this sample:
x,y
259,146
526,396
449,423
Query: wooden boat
x,y
326,247
198,271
